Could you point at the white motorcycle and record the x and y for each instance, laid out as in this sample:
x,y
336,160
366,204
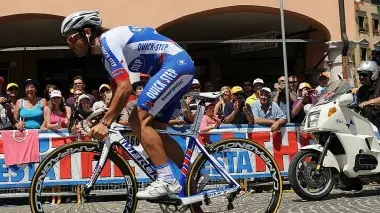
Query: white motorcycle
x,y
346,149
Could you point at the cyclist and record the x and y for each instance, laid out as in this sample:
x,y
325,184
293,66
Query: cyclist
x,y
127,52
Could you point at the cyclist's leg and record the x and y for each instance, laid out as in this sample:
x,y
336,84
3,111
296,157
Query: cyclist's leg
x,y
157,102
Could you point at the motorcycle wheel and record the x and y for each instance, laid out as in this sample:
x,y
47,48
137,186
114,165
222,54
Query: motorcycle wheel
x,y
305,182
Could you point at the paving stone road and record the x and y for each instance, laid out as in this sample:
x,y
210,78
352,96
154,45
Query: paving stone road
x,y
367,200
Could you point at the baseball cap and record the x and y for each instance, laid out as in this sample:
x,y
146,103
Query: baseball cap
x,y
83,96
236,89
104,85
55,93
31,81
11,85
304,85
195,81
258,80
266,89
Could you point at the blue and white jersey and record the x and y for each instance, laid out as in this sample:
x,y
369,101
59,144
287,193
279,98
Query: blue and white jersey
x,y
129,51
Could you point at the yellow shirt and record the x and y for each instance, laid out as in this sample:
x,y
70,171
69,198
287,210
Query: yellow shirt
x,y
251,99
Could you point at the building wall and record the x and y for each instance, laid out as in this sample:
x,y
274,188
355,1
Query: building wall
x,y
323,14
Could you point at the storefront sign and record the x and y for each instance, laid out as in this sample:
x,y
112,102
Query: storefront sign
x,y
255,46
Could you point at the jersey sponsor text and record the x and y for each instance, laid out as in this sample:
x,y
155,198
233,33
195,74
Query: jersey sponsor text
x,y
166,78
152,47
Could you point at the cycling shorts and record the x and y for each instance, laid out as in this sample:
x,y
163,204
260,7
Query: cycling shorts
x,y
163,92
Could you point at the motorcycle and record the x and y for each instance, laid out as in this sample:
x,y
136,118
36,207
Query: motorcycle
x,y
346,149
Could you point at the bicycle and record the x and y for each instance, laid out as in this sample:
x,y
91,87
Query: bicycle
x,y
197,191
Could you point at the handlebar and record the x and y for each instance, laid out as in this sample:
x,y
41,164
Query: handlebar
x,y
356,107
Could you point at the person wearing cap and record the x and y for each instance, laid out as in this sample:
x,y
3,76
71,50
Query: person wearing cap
x,y
248,89
12,92
56,114
29,110
323,82
258,83
105,96
84,106
190,104
306,96
137,87
235,112
7,121
267,112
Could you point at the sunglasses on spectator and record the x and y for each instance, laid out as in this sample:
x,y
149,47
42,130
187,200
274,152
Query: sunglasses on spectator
x,y
293,82
72,38
13,89
196,87
77,94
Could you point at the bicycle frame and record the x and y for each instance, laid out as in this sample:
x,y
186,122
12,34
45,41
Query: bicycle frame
x,y
192,140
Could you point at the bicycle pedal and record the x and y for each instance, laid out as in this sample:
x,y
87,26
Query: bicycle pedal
x,y
175,201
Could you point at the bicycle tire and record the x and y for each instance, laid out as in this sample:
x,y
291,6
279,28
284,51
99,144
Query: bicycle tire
x,y
77,146
218,146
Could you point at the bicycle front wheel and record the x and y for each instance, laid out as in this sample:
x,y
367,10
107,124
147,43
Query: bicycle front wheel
x,y
74,163
251,165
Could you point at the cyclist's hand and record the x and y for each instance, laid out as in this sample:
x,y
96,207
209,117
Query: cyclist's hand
x,y
99,132
363,104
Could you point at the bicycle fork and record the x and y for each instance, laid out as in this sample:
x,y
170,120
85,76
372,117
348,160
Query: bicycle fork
x,y
99,166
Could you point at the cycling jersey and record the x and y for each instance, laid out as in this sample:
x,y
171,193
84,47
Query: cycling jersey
x,y
129,51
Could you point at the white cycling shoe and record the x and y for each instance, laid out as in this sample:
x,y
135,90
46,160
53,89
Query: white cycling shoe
x,y
158,189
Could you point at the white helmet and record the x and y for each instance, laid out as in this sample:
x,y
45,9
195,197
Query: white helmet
x,y
79,20
369,67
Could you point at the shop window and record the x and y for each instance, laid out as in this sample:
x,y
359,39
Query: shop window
x,y
376,26
376,2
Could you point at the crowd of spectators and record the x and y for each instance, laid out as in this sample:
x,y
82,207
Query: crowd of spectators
x,y
252,102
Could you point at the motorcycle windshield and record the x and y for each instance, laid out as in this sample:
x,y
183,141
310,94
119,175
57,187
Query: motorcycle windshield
x,y
333,91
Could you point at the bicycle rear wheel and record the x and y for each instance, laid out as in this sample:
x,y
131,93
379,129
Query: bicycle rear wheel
x,y
76,160
262,179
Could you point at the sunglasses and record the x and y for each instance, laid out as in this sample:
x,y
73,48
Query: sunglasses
x,y
198,87
293,82
363,75
72,38
77,94
13,89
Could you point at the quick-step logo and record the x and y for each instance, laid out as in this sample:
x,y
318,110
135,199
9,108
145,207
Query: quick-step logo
x,y
165,79
108,57
152,47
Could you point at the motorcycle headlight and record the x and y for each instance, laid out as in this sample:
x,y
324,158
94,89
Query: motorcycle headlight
x,y
312,120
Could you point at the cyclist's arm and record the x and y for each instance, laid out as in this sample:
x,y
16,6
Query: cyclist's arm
x,y
113,55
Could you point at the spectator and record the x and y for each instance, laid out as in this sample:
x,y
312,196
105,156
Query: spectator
x,y
279,96
267,112
323,82
247,88
12,92
78,84
235,112
208,87
258,83
190,104
137,89
29,110
48,89
293,87
56,114
209,120
307,96
223,100
143,77
77,93
84,106
105,95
